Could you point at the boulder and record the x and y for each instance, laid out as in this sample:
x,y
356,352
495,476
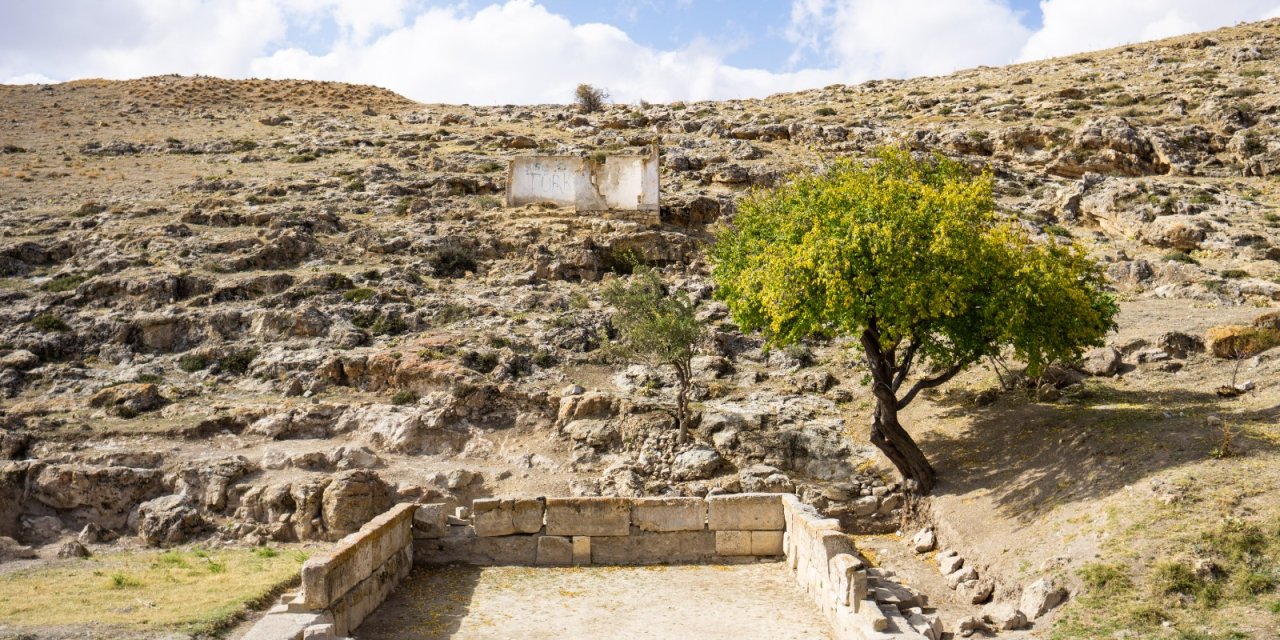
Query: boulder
x,y
128,400
1004,617
950,564
924,541
1103,361
1039,597
1237,341
19,359
11,550
1180,345
73,549
698,463
352,499
975,591
168,520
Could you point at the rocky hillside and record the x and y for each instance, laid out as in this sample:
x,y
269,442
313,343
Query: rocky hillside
x,y
264,310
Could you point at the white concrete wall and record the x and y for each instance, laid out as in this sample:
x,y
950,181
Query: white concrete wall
x,y
624,183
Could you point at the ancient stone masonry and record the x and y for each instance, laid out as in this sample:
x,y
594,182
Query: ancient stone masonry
x,y
342,587
619,187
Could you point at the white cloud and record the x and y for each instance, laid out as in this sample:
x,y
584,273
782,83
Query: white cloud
x,y
902,38
520,52
517,51
1072,26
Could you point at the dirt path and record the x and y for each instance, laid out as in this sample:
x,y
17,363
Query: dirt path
x,y
744,602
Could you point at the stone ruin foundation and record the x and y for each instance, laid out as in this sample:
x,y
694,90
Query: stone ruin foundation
x,y
343,586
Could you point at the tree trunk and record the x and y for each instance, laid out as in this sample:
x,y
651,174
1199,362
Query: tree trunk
x,y
889,436
682,410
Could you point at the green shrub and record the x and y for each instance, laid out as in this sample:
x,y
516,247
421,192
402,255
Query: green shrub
x,y
147,378
192,362
1103,578
358,295
65,283
484,362
1234,274
452,262
301,158
338,282
824,111
265,552
238,362
589,99
403,397
1180,256
488,166
49,322
354,185
451,312
1176,578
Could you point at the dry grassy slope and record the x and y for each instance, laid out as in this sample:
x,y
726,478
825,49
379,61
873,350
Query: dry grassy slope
x,y
231,204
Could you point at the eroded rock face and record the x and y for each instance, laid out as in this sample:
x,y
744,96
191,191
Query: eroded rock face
x,y
105,495
352,499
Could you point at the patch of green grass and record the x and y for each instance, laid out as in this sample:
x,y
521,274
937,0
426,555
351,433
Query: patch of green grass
x,y
238,362
824,111
179,591
49,322
301,158
403,397
358,295
1234,274
265,552
65,283
1174,577
148,378
193,362
1180,256
1103,578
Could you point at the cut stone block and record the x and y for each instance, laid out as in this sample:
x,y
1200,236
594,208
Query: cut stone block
x,y
581,550
429,521
588,516
669,514
655,548
850,580
526,515
766,543
554,551
733,543
491,517
745,512
505,550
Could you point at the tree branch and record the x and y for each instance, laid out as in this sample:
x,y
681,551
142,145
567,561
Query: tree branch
x,y
905,367
929,383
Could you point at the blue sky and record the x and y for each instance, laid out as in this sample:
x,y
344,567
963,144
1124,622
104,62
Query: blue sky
x,y
528,51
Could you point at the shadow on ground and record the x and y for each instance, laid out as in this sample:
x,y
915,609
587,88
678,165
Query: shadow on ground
x,y
1034,456
429,604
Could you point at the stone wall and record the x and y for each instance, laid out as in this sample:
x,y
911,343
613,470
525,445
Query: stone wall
x,y
609,531
341,587
353,578
849,594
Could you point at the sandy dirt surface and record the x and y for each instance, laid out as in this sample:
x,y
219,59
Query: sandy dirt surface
x,y
744,602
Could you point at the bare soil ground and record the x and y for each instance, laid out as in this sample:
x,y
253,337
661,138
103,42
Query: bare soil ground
x,y
745,602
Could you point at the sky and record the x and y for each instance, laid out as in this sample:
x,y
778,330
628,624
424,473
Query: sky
x,y
537,51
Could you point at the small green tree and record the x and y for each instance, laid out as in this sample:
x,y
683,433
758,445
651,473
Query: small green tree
x,y
657,327
589,99
909,257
